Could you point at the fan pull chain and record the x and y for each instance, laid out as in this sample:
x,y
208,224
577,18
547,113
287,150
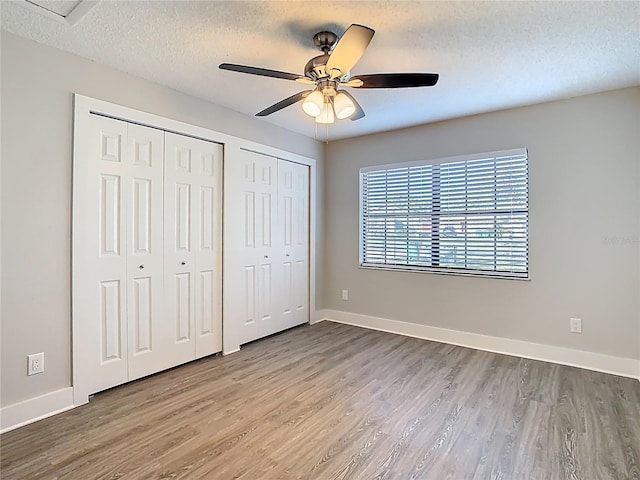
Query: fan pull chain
x,y
326,138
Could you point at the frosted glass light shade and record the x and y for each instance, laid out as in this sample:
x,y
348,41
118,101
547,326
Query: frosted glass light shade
x,y
312,105
326,115
343,106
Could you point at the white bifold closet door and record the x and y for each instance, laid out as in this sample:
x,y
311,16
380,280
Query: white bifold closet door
x,y
292,239
192,253
268,250
147,252
100,260
142,208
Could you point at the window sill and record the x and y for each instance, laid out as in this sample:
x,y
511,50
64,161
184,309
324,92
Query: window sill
x,y
442,271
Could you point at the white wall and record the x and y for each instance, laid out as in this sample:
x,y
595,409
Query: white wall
x,y
37,87
584,164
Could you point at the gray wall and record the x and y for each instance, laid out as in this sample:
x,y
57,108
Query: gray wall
x,y
37,120
585,214
584,167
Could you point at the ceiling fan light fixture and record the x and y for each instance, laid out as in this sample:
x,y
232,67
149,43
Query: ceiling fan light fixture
x,y
326,115
343,106
330,72
313,104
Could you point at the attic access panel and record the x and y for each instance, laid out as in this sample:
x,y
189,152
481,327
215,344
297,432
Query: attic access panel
x,y
68,12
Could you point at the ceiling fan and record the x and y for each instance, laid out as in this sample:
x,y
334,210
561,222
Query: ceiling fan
x,y
330,72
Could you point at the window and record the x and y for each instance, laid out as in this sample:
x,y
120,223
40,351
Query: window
x,y
464,215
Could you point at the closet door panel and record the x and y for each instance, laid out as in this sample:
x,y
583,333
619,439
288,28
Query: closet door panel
x,y
252,287
286,309
293,204
301,242
179,252
208,272
100,282
193,203
147,339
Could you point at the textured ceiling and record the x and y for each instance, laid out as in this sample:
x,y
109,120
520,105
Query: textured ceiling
x,y
490,55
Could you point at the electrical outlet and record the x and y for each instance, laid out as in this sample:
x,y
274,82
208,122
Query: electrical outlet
x,y
35,363
575,325
345,294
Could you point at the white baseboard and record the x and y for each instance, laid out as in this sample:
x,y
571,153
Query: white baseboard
x,y
34,409
318,316
624,367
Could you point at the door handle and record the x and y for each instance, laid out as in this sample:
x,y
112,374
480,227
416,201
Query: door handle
x,y
183,263
266,256
288,255
141,267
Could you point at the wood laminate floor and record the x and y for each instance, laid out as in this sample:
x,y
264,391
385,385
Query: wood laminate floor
x,y
332,401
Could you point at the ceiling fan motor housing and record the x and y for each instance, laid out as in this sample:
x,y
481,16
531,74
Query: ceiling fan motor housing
x,y
315,68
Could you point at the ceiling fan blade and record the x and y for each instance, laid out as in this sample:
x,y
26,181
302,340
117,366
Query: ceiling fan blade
x,y
283,103
264,72
348,50
359,113
394,80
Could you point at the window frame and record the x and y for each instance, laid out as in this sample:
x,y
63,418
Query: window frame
x,y
439,270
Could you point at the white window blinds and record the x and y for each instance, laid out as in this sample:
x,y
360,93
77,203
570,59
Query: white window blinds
x,y
466,215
